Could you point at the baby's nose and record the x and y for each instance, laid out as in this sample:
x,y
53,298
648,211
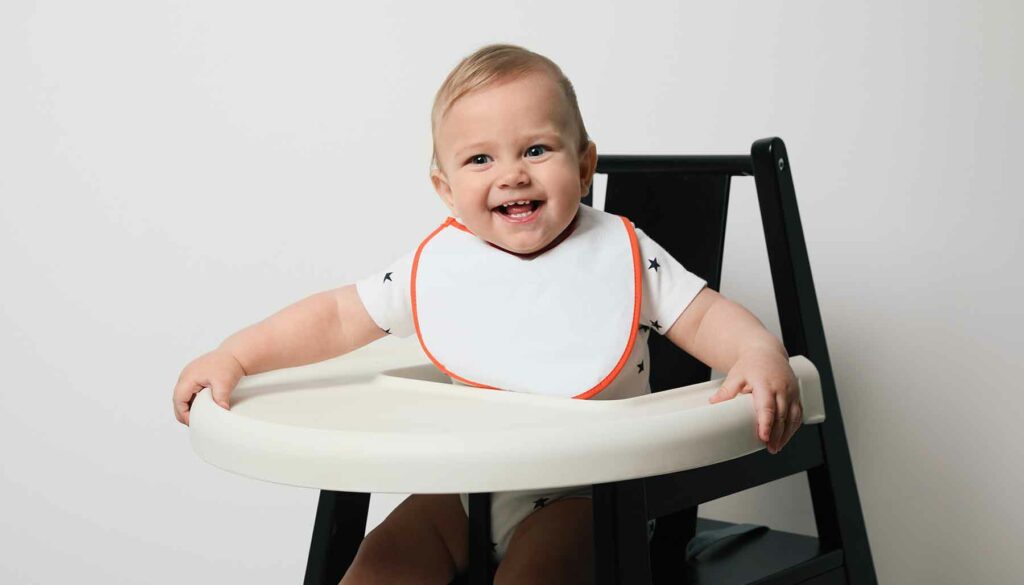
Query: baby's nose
x,y
515,176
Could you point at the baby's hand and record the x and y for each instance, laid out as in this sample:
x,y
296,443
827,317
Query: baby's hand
x,y
776,394
217,370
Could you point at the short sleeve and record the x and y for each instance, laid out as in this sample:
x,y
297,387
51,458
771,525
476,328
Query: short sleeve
x,y
386,296
668,287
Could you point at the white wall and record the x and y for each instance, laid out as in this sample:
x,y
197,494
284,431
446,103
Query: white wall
x,y
173,171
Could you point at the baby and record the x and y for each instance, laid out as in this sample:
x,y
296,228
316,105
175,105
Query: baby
x,y
521,289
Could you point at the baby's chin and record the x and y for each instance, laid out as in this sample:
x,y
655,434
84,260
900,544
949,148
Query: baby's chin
x,y
520,248
521,244
525,243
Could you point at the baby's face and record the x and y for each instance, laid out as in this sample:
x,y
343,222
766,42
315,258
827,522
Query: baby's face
x,y
510,142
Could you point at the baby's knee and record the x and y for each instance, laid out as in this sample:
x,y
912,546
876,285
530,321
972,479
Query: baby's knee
x,y
385,557
374,559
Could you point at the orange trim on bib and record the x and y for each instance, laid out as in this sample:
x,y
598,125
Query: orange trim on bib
x,y
455,223
637,301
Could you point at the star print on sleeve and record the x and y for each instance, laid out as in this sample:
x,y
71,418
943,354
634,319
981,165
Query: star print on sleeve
x,y
539,503
640,367
386,298
644,328
668,287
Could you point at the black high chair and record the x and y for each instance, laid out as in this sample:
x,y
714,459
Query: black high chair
x,y
682,203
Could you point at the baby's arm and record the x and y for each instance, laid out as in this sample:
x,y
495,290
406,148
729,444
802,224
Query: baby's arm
x,y
727,337
316,328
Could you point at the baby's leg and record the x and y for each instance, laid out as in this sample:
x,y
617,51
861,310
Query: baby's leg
x,y
424,541
554,544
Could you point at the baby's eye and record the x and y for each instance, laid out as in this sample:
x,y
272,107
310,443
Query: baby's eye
x,y
536,150
479,159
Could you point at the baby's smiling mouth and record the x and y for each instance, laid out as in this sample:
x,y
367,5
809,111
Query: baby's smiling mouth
x,y
519,209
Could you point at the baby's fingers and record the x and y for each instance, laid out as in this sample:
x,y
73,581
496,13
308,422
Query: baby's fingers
x,y
796,418
221,394
766,409
182,397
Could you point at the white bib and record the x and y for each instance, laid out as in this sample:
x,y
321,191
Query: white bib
x,y
562,323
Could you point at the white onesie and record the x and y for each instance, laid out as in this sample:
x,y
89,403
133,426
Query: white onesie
x,y
667,289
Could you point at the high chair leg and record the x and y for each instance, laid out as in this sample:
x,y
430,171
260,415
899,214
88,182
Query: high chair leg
x,y
337,532
481,566
621,550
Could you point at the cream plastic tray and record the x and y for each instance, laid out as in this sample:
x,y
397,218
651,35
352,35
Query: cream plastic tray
x,y
382,419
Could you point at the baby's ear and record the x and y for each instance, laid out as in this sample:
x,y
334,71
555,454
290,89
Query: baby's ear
x,y
442,188
588,164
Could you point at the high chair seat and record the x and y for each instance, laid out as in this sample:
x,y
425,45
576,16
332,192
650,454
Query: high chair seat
x,y
383,419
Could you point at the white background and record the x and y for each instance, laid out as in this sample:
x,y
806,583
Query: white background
x,y
173,171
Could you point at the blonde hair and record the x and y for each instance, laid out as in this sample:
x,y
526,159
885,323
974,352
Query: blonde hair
x,y
496,63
